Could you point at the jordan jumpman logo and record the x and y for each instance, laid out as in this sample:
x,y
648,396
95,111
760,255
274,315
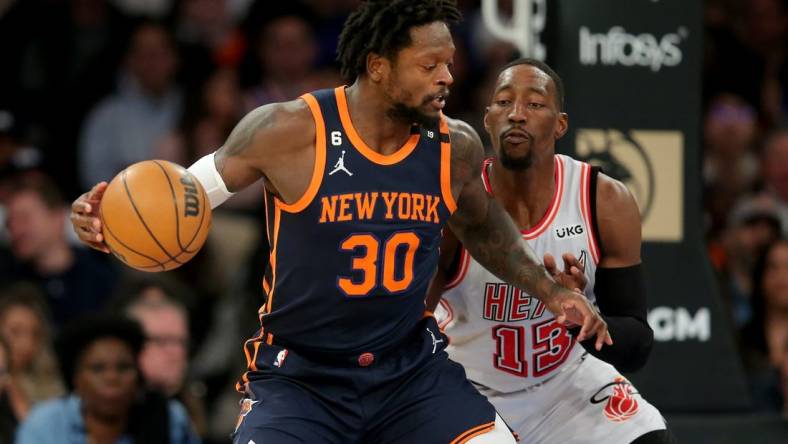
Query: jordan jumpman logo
x,y
435,341
341,165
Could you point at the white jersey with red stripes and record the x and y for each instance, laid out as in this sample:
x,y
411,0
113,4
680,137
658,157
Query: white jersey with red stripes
x,y
506,339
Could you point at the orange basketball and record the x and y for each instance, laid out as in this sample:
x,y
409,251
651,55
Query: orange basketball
x,y
155,215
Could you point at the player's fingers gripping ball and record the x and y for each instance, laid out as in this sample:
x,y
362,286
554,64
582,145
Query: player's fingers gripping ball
x,y
155,215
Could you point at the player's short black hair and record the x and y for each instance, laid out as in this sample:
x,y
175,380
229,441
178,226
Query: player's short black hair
x,y
383,27
542,66
78,335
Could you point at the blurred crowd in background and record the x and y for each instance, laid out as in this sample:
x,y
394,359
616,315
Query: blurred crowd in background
x,y
88,87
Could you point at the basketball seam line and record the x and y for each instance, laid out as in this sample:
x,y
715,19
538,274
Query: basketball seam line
x,y
175,205
106,225
133,205
184,249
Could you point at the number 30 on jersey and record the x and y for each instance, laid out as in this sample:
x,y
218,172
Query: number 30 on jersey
x,y
387,264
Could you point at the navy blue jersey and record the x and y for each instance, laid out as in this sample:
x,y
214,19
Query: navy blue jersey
x,y
351,259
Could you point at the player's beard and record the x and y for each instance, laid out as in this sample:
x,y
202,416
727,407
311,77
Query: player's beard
x,y
515,163
412,114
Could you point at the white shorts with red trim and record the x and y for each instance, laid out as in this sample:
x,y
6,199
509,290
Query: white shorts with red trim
x,y
590,403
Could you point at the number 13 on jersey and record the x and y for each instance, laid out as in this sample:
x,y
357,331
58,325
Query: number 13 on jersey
x,y
551,346
387,264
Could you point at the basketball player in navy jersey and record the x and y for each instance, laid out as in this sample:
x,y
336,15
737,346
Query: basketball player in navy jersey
x,y
359,182
527,363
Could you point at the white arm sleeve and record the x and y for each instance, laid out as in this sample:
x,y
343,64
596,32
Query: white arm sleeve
x,y
205,171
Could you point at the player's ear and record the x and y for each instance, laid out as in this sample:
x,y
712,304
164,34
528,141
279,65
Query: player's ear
x,y
563,125
377,66
486,113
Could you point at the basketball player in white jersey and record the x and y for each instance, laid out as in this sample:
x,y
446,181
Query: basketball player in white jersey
x,y
549,385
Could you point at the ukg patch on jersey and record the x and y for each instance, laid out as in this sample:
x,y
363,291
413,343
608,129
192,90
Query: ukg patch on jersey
x,y
568,231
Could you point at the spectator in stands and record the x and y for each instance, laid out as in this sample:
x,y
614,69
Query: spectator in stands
x,y
124,128
32,373
767,333
15,155
9,413
286,50
774,165
752,226
206,122
207,36
330,15
145,8
766,23
66,64
98,356
156,303
784,380
773,286
74,280
730,166
165,357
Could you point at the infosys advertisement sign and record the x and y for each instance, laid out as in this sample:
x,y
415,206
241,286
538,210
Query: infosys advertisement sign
x,y
616,46
632,74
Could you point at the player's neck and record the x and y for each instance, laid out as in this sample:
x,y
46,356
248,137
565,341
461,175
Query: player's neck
x,y
526,194
367,108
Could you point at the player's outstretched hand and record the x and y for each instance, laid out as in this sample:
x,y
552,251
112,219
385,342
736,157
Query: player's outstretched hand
x,y
573,275
85,218
571,307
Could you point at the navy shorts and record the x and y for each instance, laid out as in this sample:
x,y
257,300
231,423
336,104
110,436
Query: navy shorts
x,y
412,395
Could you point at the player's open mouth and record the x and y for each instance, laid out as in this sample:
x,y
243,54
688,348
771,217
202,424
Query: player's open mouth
x,y
439,101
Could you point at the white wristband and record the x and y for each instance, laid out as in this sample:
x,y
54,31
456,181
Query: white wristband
x,y
205,171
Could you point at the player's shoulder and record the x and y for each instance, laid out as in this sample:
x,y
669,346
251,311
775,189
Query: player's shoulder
x,y
290,115
461,132
465,141
282,126
618,219
612,190
615,204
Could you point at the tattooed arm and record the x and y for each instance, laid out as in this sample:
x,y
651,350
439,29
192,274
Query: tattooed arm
x,y
275,142
492,238
269,141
